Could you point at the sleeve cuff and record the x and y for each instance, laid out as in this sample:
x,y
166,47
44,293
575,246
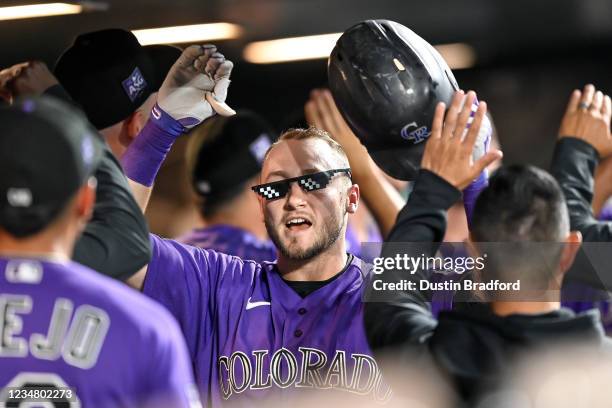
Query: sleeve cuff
x,y
577,145
435,190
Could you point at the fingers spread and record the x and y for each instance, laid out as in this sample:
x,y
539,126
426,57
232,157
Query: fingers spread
x,y
466,113
312,116
597,102
486,160
587,96
325,115
574,100
438,120
450,122
606,110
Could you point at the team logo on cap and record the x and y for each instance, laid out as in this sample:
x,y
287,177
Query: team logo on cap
x,y
134,84
19,197
414,133
259,147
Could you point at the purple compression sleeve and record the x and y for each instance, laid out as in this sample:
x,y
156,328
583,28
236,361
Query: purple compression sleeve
x,y
144,156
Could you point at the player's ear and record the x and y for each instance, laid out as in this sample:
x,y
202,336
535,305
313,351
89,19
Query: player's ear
x,y
569,251
86,199
353,199
134,124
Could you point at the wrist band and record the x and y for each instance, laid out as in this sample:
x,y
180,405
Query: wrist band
x,y
144,156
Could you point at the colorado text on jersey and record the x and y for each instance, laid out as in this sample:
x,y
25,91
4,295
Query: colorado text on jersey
x,y
240,372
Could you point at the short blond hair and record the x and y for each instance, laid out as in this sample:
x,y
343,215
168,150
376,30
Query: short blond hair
x,y
311,133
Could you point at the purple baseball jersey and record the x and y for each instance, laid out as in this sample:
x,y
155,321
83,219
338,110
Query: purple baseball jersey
x,y
251,336
64,325
353,245
587,292
232,241
606,213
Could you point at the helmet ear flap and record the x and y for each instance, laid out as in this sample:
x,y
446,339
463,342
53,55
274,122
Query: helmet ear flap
x,y
386,82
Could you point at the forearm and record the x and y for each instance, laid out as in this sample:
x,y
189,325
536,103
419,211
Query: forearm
x,y
420,227
423,218
382,199
141,193
574,163
602,189
144,157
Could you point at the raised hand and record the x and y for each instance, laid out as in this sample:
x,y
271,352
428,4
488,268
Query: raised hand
x,y
196,86
587,118
25,79
321,111
449,149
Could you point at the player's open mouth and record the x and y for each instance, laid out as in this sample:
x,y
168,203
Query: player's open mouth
x,y
298,224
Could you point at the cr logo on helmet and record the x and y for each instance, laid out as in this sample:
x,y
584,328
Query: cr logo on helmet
x,y
417,135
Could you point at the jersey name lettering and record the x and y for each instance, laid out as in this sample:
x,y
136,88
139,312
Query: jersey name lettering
x,y
78,341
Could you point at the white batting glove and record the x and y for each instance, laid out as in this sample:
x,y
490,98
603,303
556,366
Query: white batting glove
x,y
196,86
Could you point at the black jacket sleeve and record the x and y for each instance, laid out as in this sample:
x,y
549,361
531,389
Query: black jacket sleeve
x,y
116,239
573,165
408,319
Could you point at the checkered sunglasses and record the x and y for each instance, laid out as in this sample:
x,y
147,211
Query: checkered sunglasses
x,y
308,182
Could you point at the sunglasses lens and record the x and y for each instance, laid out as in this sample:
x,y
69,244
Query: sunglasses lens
x,y
272,191
313,182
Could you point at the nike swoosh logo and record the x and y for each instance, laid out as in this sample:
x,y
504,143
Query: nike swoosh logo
x,y
253,305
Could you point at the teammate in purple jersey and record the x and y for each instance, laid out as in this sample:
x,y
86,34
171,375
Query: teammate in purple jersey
x,y
260,330
223,160
78,338
231,240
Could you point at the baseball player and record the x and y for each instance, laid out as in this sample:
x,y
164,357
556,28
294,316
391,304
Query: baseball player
x,y
71,337
115,241
114,80
584,141
256,330
474,349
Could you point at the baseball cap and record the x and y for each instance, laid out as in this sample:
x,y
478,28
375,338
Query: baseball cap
x,y
47,152
224,152
111,75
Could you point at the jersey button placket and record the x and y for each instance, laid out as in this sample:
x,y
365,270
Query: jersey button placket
x,y
302,311
298,333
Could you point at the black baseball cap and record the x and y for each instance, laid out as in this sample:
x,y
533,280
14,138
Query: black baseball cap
x,y
111,75
225,152
47,152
